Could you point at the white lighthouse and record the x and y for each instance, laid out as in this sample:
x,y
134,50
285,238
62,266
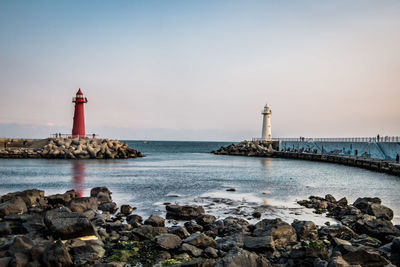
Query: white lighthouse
x,y
266,128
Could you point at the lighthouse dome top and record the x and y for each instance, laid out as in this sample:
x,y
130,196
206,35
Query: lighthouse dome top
x,y
79,92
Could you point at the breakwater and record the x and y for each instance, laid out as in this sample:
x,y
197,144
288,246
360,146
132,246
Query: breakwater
x,y
66,148
65,230
265,149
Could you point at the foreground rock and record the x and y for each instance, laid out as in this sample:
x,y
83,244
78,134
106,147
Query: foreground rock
x,y
65,148
67,230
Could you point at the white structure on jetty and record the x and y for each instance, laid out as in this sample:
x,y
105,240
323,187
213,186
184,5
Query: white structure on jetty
x,y
266,128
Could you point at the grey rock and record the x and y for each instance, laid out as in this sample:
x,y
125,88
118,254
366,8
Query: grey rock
x,y
179,231
193,227
259,243
57,256
191,250
211,252
168,241
110,207
366,256
126,209
183,212
13,206
65,225
200,240
61,199
155,220
306,230
83,204
204,219
240,258
281,232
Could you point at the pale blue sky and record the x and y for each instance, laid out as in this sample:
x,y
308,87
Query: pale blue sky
x,y
200,70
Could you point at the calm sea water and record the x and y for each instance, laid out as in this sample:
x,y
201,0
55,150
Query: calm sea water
x,y
185,172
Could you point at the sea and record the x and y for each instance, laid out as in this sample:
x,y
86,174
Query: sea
x,y
187,173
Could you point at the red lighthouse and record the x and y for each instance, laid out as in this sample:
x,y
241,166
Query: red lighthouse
x,y
78,129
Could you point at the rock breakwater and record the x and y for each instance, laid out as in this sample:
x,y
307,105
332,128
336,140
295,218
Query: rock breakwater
x,y
66,230
65,148
249,148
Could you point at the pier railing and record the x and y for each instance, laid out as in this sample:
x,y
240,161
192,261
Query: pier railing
x,y
376,139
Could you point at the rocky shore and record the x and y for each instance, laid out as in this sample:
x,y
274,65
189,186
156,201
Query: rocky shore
x,y
249,148
66,148
67,230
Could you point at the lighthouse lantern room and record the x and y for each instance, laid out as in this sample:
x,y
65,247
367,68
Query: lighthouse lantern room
x,y
78,128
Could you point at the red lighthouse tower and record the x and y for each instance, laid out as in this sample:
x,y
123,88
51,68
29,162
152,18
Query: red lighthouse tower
x,y
78,129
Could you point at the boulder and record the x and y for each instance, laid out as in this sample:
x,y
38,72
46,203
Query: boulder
x,y
83,204
103,194
337,230
31,197
193,227
200,240
110,207
65,225
135,220
240,258
378,228
56,256
191,250
259,243
211,253
155,220
236,240
366,256
204,219
15,205
126,209
362,203
306,230
179,231
183,212
168,241
87,253
380,211
281,232
62,199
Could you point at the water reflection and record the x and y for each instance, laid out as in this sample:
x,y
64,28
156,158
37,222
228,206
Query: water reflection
x,y
267,164
78,176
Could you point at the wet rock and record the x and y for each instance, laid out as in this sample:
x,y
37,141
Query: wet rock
x,y
337,230
395,251
31,197
281,232
338,261
256,214
191,250
110,207
118,227
13,206
366,256
65,225
57,256
103,194
168,241
21,244
306,230
378,228
362,203
204,219
179,231
155,220
240,258
229,225
200,240
83,204
231,189
342,202
183,212
86,253
126,209
193,227
148,232
211,252
236,240
380,211
5,228
259,243
135,220
61,199
330,198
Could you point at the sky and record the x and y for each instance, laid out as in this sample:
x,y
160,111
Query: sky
x,y
200,70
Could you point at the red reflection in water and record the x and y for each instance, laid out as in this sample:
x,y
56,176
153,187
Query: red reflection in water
x,y
78,170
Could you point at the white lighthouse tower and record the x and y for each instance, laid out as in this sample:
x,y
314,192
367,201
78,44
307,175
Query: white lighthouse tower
x,y
266,128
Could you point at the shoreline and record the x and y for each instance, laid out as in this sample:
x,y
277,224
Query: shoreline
x,y
96,232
